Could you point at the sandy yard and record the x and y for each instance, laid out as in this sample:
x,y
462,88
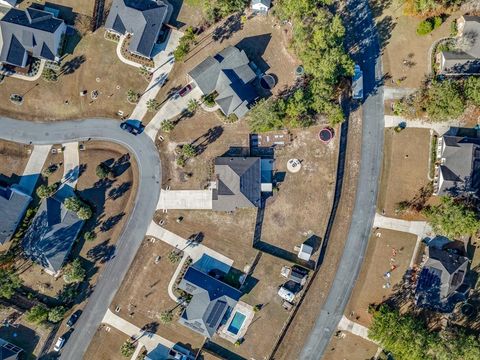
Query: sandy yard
x,y
350,347
143,295
106,345
296,211
392,250
405,55
229,234
405,167
13,159
94,66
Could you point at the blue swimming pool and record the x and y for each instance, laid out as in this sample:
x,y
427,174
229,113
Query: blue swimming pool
x,y
236,323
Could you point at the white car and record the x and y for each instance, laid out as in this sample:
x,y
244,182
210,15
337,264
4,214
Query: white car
x,y
59,344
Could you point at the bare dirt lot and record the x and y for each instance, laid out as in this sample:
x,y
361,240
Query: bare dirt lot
x,y
94,59
350,347
406,54
390,250
405,167
106,345
13,159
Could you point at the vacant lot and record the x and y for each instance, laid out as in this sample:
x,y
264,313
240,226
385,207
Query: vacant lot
x,y
406,54
93,66
143,295
106,344
388,252
405,167
350,347
13,159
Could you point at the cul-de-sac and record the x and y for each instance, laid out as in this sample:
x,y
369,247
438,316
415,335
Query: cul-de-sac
x,y
240,179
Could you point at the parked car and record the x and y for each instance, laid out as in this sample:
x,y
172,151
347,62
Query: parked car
x,y
73,318
59,344
185,90
357,84
133,126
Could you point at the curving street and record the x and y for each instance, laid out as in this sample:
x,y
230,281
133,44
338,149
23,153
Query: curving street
x,y
149,177
369,57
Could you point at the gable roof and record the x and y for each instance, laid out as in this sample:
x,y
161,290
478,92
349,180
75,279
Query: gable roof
x,y
10,2
51,235
229,74
141,18
13,204
441,276
211,299
467,61
460,167
8,351
29,31
238,183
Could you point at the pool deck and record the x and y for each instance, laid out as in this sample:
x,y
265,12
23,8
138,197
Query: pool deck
x,y
244,309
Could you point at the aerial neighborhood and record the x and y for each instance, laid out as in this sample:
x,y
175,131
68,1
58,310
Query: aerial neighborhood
x,y
239,179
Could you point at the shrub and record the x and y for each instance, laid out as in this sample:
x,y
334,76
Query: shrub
x,y
472,89
102,171
153,105
133,96
74,273
192,105
73,203
167,125
49,170
49,75
9,282
45,191
37,314
127,349
209,100
188,151
444,101
425,27
166,316
90,236
181,161
56,314
85,212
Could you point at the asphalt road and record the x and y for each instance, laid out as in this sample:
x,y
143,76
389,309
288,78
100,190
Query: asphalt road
x,y
148,192
365,39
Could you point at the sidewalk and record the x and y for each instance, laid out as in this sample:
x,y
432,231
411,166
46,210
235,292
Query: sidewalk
x,y
439,128
33,168
354,328
152,342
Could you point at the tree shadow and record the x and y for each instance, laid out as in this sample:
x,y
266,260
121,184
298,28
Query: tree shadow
x,y
384,29
121,165
254,47
228,28
378,6
72,65
201,143
118,192
102,252
111,222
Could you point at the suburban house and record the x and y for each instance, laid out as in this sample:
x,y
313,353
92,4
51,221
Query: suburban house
x,y
13,204
228,76
8,351
261,6
441,282
49,239
142,19
465,60
212,302
30,33
458,165
240,182
9,3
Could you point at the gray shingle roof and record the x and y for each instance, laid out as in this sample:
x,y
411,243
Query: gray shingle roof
x,y
461,168
441,276
13,204
29,31
267,3
467,61
211,299
238,183
229,74
51,235
142,18
8,351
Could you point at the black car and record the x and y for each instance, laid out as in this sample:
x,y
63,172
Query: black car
x,y
134,127
73,319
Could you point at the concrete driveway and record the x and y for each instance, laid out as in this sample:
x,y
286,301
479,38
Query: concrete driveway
x,y
33,168
186,200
